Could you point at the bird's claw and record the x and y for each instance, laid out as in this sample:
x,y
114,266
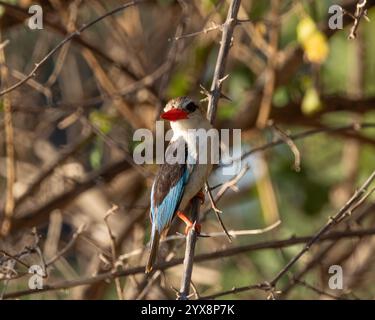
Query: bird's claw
x,y
189,223
197,227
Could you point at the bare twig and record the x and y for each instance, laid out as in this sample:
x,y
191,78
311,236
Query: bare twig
x,y
232,233
111,171
63,42
70,20
270,72
305,134
322,253
68,246
39,252
217,212
9,146
360,13
231,184
344,211
107,173
63,156
113,249
34,84
9,270
199,258
237,233
214,26
14,258
284,136
317,290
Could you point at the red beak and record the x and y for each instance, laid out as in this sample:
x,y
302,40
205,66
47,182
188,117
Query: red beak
x,y
174,115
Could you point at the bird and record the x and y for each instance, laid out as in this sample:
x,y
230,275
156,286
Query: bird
x,y
175,185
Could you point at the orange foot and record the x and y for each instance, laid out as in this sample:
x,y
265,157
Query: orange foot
x,y
189,223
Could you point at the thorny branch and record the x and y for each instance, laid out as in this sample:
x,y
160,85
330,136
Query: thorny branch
x,y
199,258
213,99
344,212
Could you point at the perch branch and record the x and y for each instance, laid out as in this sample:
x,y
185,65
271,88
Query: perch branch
x,y
213,99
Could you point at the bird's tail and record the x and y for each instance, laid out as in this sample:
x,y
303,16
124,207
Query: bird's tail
x,y
155,239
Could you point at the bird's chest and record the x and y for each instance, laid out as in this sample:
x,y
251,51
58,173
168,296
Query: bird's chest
x,y
199,151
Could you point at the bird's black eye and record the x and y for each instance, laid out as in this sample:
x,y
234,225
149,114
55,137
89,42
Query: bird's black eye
x,y
191,107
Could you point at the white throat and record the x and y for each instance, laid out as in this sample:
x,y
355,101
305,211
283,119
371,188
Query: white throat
x,y
185,129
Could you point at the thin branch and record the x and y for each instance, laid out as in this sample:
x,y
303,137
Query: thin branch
x,y
305,134
9,147
68,246
14,258
191,240
39,252
225,44
218,78
315,260
113,249
217,212
34,84
63,42
317,290
360,13
70,19
321,254
237,233
214,26
346,210
332,236
288,141
46,172
232,233
107,173
270,72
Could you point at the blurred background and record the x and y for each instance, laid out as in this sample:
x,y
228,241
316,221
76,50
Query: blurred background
x,y
66,145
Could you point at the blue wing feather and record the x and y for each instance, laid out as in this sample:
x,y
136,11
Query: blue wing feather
x,y
163,213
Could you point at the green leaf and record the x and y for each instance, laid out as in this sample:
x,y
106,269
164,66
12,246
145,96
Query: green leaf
x,y
226,111
96,155
179,85
280,97
102,121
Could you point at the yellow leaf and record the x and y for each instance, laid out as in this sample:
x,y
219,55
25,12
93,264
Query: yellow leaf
x,y
260,27
305,29
311,102
316,48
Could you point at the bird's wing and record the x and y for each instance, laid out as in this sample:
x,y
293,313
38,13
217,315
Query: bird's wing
x,y
168,188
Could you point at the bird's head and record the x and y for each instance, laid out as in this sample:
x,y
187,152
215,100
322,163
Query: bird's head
x,y
184,113
182,108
